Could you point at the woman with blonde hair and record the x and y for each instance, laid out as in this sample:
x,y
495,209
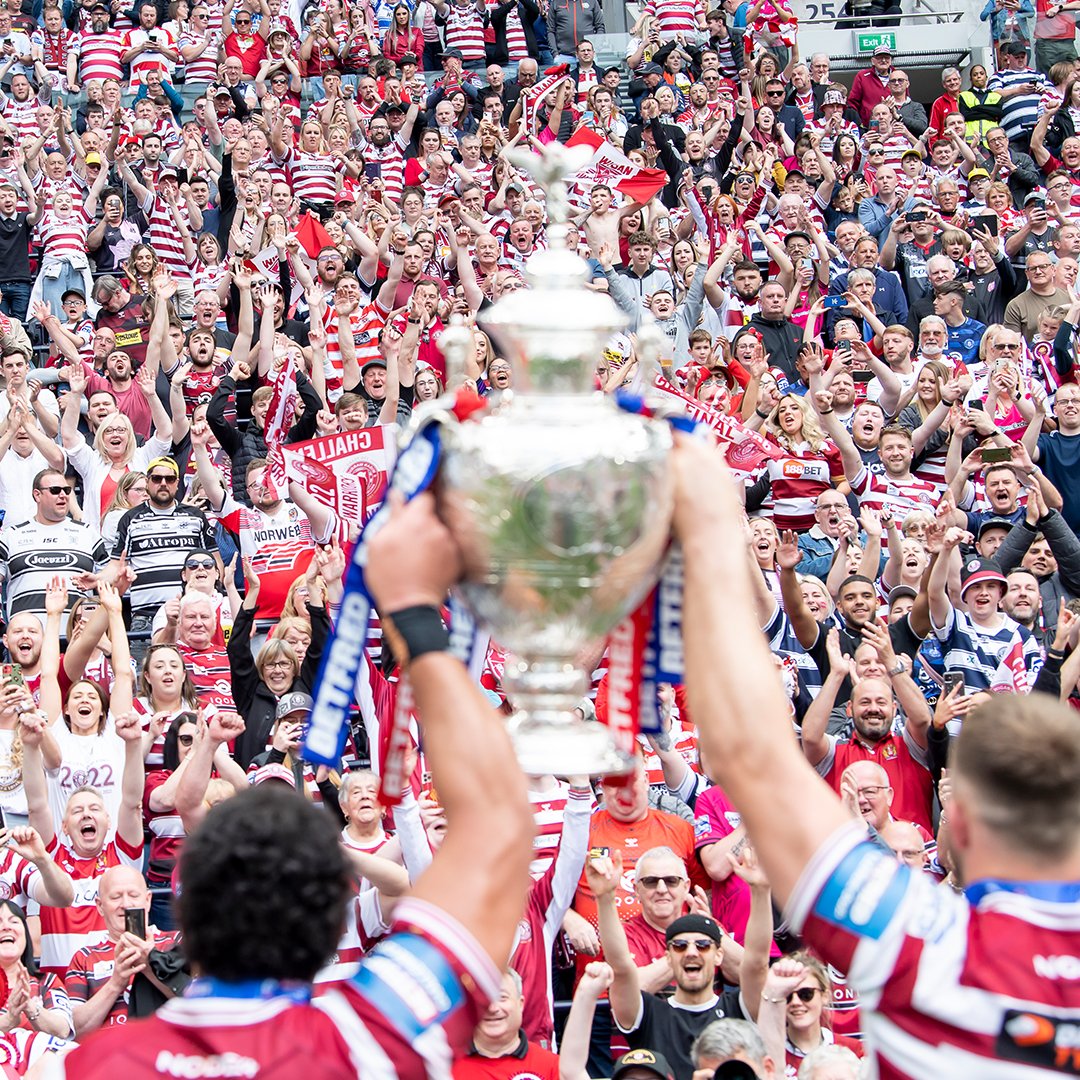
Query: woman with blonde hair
x,y
115,451
793,1014
295,631
130,491
807,455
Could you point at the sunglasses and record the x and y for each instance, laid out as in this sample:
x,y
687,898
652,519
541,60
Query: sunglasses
x,y
163,478
805,994
199,564
670,880
701,944
56,489
185,740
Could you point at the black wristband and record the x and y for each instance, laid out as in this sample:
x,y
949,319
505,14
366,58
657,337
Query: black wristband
x,y
824,412
413,631
763,415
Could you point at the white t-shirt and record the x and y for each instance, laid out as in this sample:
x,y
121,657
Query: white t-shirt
x,y
95,761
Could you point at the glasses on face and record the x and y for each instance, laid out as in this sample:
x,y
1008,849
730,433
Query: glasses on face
x,y
775,93
701,944
199,564
1008,346
185,740
162,478
805,994
652,881
243,22
1038,267
56,489
282,663
871,792
875,151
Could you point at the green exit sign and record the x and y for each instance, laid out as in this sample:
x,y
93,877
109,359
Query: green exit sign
x,y
868,42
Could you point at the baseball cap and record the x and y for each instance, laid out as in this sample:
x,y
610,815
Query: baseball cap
x,y
453,54
911,153
448,199
883,50
833,97
900,592
100,7
609,70
294,703
93,158
222,91
1035,196
163,463
378,362
279,773
643,1059
695,924
976,570
978,172
650,69
994,523
1014,48
278,30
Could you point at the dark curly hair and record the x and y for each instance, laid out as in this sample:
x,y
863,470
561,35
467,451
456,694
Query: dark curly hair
x,y
264,888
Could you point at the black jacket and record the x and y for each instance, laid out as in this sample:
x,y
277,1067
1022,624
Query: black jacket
x,y
1064,583
782,340
255,702
244,447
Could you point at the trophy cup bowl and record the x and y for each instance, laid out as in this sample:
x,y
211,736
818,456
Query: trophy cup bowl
x,y
561,503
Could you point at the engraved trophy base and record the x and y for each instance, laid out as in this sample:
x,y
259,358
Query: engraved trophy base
x,y
549,736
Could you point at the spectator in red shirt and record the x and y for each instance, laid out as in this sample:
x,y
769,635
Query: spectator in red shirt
x,y
247,45
871,86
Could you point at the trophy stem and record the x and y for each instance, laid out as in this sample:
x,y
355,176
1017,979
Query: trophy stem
x,y
549,735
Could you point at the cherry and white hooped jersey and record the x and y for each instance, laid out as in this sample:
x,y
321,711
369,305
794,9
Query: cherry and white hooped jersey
x,y
900,496
63,238
408,1010
64,931
978,985
312,176
99,56
676,16
797,479
548,810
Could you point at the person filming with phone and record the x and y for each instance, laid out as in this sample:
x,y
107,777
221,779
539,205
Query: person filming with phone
x,y
101,979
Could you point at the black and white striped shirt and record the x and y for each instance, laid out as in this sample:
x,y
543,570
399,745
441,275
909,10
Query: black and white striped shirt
x,y
156,543
32,554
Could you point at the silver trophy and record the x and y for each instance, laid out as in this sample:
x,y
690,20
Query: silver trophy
x,y
560,501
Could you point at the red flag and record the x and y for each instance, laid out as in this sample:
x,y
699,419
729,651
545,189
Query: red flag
x,y
611,166
312,236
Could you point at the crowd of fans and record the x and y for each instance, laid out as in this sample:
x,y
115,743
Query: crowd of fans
x,y
222,234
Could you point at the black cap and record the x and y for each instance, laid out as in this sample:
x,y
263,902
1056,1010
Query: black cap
x,y
452,54
650,69
99,7
1014,48
994,523
694,924
643,1059
609,70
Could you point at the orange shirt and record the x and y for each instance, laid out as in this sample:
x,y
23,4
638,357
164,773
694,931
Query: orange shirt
x,y
655,829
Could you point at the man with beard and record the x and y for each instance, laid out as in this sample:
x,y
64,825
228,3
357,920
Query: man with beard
x,y
856,605
1022,602
97,54
873,710
737,305
155,539
1047,549
982,644
694,949
388,150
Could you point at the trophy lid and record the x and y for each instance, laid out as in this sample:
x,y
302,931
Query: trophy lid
x,y
554,331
